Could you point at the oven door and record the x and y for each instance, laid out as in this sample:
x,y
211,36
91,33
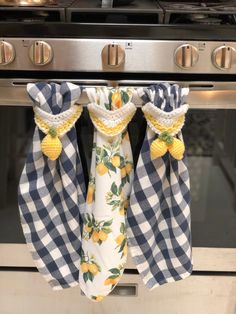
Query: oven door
x,y
210,136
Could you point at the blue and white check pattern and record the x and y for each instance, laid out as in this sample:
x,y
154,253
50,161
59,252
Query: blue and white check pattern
x,y
158,219
52,194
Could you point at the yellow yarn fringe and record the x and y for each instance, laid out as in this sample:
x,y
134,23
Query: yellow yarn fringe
x,y
161,128
111,131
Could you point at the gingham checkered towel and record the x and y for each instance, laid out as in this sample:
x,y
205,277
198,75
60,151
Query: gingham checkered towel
x,y
52,193
158,219
104,236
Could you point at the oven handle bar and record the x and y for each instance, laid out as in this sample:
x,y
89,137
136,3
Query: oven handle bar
x,y
202,95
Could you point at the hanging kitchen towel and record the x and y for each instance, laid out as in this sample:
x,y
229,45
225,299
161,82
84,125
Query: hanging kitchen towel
x,y
51,190
158,219
104,241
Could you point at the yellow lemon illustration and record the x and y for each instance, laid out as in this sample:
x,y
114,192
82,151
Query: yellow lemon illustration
x,y
158,148
107,282
177,149
87,228
51,146
123,172
95,236
128,168
114,281
84,267
122,211
115,160
99,298
125,249
120,239
102,235
90,194
116,99
93,269
126,204
101,169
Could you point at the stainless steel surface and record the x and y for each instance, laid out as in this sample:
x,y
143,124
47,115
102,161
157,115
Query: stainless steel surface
x,y
7,53
204,95
123,290
186,56
113,56
26,2
107,3
40,53
223,56
140,56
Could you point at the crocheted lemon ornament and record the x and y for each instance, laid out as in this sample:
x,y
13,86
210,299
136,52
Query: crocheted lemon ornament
x,y
166,142
51,145
158,148
177,149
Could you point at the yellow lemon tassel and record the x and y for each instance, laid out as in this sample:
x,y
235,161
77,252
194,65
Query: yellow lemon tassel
x,y
167,142
51,145
158,148
177,149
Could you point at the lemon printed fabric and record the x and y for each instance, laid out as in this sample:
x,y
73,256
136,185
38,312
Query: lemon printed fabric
x,y
104,244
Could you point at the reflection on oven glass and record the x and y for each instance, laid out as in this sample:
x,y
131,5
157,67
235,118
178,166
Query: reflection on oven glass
x,y
210,137
211,146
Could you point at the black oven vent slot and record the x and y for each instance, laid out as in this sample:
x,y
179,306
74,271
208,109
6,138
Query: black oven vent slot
x,y
201,87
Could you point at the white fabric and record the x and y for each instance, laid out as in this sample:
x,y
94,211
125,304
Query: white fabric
x,y
107,195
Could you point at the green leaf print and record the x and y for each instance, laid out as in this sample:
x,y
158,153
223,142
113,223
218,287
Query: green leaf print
x,y
122,245
125,97
122,228
107,230
110,166
104,154
108,223
90,276
85,276
114,188
98,150
108,106
115,271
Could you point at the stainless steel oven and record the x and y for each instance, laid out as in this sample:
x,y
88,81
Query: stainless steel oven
x,y
76,54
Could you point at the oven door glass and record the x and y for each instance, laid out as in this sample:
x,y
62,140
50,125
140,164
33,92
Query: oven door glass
x,y
210,137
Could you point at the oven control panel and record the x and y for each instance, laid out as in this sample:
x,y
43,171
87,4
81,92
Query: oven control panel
x,y
102,55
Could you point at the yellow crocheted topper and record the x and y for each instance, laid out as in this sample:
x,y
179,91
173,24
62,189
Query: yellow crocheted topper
x,y
51,145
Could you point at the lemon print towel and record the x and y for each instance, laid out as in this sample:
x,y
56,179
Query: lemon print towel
x,y
104,244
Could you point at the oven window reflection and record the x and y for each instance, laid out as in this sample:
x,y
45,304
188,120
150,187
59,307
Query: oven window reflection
x,y
210,138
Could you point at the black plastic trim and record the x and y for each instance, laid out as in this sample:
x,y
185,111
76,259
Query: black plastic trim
x,y
126,271
113,76
155,32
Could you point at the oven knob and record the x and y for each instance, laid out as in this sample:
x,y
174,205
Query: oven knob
x,y
222,57
7,53
113,55
40,53
186,56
